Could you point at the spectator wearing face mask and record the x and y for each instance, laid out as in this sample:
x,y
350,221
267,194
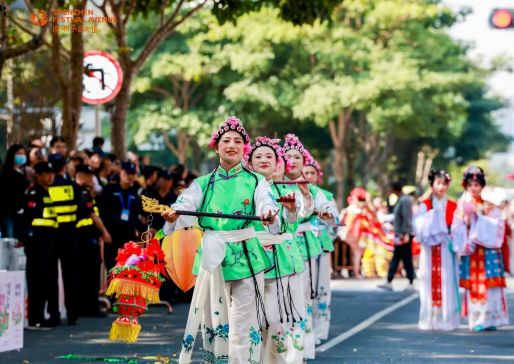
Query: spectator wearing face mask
x,y
13,183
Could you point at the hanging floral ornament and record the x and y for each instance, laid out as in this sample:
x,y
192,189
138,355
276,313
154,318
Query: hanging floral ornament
x,y
126,327
135,281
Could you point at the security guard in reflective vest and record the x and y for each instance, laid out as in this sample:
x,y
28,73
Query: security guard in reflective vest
x,y
64,194
38,229
90,229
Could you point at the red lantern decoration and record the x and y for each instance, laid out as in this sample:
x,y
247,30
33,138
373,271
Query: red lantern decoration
x,y
126,327
135,281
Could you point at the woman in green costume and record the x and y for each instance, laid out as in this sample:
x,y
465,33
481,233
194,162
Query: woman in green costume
x,y
321,306
231,262
283,342
306,234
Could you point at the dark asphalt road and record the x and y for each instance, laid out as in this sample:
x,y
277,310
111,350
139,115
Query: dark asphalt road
x,y
392,339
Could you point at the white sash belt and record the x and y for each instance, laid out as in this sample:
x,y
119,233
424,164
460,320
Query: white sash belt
x,y
266,238
214,245
303,227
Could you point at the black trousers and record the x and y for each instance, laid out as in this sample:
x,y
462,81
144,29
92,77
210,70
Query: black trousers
x,y
404,253
66,253
89,262
40,249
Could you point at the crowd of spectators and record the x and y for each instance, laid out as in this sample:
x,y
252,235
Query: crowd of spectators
x,y
72,190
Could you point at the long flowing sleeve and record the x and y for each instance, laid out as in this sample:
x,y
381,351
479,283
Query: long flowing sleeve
x,y
460,239
430,226
265,202
488,231
302,211
189,200
321,203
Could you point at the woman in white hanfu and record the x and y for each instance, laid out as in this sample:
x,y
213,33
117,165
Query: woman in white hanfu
x,y
439,292
477,234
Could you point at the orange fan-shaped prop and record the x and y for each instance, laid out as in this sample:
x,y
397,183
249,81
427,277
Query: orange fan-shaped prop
x,y
180,250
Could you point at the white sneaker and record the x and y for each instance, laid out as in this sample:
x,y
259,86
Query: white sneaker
x,y
387,286
410,288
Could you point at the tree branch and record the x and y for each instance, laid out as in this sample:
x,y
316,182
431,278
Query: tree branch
x,y
64,52
34,43
169,144
163,32
129,11
29,6
333,133
104,11
163,11
162,91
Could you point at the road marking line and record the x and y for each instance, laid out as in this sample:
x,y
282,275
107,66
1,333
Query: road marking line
x,y
365,324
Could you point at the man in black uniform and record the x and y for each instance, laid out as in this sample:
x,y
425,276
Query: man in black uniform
x,y
89,230
39,226
64,193
121,206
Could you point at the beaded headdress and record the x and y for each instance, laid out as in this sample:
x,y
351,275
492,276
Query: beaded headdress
x,y
313,163
293,143
273,144
231,124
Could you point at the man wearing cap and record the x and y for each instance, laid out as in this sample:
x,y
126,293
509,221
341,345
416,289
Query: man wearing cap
x,y
151,175
89,230
39,226
65,195
121,207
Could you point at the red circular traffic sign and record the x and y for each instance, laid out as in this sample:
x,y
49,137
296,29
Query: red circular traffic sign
x,y
102,78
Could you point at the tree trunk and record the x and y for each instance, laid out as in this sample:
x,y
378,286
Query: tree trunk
x,y
338,167
197,155
339,135
121,103
183,139
70,131
63,83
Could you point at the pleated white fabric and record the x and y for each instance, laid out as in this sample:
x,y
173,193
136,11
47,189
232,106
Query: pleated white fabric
x,y
321,304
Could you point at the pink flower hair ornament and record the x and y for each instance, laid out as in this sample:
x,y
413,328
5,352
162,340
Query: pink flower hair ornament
x,y
313,163
293,143
287,161
231,124
271,143
475,173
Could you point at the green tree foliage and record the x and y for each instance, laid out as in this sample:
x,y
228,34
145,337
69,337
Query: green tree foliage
x,y
169,16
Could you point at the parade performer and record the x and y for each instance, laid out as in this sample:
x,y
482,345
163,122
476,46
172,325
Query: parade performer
x,y
321,307
230,263
295,288
379,241
477,234
283,342
439,292
305,236
364,233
